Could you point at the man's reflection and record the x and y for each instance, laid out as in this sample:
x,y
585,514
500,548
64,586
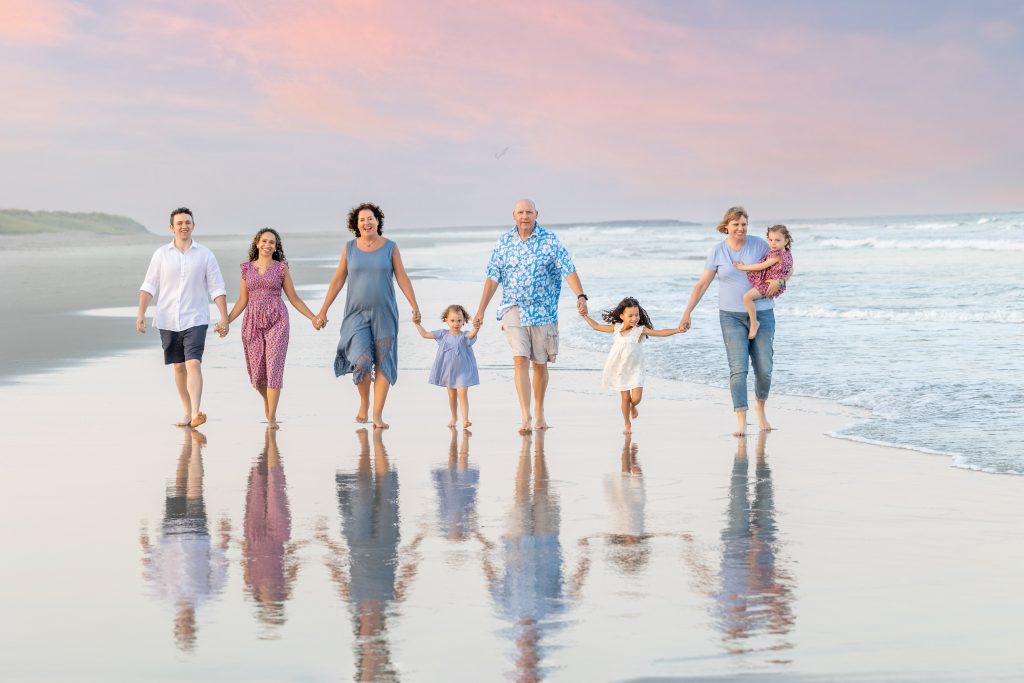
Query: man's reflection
x,y
755,596
529,592
456,486
184,567
269,561
371,579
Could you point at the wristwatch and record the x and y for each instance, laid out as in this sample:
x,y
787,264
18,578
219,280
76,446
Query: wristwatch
x,y
582,296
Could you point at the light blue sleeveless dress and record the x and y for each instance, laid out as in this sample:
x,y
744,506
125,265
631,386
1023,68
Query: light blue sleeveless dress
x,y
369,332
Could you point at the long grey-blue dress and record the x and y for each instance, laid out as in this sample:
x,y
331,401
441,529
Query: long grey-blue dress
x,y
369,332
455,364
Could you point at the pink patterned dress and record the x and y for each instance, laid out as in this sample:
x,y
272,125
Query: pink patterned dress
x,y
783,269
265,327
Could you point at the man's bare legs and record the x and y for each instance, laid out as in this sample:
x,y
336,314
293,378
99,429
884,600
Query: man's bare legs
x,y
188,379
540,387
522,381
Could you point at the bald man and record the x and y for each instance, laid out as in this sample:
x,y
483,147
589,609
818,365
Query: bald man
x,y
529,263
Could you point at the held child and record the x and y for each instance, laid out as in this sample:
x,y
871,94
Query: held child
x,y
455,365
777,265
265,327
624,369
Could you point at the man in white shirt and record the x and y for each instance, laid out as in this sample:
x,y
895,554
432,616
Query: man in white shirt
x,y
181,275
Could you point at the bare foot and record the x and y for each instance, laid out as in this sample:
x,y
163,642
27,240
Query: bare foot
x,y
764,426
272,424
628,429
451,424
199,419
524,428
381,425
361,418
184,421
466,424
633,412
753,329
541,424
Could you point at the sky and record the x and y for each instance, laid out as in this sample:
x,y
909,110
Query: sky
x,y
258,113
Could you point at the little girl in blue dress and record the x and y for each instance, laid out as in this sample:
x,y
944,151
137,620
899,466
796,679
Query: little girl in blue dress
x,y
455,365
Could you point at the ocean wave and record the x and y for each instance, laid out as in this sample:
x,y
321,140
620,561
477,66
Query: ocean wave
x,y
953,245
917,315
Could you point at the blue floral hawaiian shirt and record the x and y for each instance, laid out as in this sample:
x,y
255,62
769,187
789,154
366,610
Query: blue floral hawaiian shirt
x,y
530,273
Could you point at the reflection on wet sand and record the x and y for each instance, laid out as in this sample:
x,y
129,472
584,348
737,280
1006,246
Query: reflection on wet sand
x,y
457,486
269,560
755,595
528,592
371,572
627,542
183,566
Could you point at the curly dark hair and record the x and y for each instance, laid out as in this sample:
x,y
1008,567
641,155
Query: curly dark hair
x,y
254,252
182,209
458,309
353,217
615,315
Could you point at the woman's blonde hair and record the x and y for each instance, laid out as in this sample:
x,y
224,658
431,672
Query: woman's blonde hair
x,y
733,214
785,233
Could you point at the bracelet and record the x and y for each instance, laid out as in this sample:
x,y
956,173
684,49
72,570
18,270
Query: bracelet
x,y
582,296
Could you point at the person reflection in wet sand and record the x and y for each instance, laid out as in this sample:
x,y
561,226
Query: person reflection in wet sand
x,y
755,595
530,594
183,565
626,499
371,573
268,558
456,486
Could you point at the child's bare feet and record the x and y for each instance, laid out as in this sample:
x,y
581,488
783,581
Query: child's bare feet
x,y
381,425
199,419
541,424
361,418
272,424
525,428
753,329
184,421
451,423
466,424
628,429
634,413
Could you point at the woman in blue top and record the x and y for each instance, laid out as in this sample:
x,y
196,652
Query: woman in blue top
x,y
732,283
368,347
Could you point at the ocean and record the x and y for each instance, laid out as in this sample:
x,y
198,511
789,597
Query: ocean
x,y
916,319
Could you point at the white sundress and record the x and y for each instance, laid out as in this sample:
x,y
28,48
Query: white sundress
x,y
624,369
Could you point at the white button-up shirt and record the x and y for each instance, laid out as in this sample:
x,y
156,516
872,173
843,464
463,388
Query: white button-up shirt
x,y
180,283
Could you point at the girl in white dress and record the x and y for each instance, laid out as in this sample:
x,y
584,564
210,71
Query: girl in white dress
x,y
624,369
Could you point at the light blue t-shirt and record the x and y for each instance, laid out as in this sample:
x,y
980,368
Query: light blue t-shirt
x,y
733,283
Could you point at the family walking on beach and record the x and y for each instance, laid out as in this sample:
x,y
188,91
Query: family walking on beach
x,y
528,263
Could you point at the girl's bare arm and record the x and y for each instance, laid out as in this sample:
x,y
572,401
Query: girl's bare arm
x,y
597,326
763,265
668,332
423,332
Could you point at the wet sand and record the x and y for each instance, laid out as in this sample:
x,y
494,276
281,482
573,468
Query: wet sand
x,y
139,551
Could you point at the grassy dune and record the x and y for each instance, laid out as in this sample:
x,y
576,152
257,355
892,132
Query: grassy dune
x,y
19,222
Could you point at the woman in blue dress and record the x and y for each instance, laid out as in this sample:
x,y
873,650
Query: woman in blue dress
x,y
368,348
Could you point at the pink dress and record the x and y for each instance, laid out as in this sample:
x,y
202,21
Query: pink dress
x,y
265,327
784,268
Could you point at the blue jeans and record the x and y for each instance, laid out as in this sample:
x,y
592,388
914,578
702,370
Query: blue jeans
x,y
735,327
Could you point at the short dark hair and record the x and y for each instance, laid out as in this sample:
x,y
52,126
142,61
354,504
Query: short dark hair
x,y
182,209
353,217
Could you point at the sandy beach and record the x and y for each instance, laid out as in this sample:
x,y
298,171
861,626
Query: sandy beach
x,y
683,554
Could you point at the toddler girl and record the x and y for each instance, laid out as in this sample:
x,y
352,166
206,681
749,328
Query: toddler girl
x,y
624,369
455,365
777,265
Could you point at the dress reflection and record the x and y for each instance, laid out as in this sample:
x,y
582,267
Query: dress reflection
x,y
267,557
370,570
755,595
627,543
529,592
457,486
183,565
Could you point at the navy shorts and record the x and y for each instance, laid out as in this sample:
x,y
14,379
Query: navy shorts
x,y
185,345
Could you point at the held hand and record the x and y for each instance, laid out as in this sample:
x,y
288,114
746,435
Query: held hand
x,y
416,318
140,325
223,327
478,320
581,305
684,323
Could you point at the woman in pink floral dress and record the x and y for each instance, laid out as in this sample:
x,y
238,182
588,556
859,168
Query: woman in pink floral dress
x,y
265,328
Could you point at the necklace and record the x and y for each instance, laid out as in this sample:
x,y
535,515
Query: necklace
x,y
367,245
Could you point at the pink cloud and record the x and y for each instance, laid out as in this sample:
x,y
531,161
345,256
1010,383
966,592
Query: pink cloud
x,y
38,21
